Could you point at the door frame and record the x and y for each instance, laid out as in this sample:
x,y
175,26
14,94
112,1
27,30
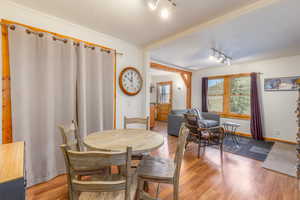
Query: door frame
x,y
171,94
185,75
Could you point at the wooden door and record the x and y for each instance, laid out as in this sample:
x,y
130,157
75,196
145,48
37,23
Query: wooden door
x,y
164,100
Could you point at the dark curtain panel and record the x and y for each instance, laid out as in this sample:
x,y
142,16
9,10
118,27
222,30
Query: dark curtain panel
x,y
256,123
204,94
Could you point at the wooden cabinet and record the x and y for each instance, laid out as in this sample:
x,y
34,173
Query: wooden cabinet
x,y
163,111
12,174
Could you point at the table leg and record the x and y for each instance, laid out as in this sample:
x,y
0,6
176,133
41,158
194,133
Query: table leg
x,y
235,136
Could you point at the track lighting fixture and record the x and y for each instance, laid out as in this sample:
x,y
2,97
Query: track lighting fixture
x,y
166,6
219,57
152,4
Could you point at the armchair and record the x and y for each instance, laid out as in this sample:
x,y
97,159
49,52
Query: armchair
x,y
203,136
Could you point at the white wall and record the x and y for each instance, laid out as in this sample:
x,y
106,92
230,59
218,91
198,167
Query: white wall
x,y
278,107
133,55
179,95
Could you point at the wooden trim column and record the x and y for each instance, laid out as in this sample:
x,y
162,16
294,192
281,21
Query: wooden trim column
x,y
186,77
115,90
189,91
6,96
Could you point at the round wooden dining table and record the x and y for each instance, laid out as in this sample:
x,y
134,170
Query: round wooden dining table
x,y
141,141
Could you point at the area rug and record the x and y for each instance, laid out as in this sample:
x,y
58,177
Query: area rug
x,y
282,159
248,147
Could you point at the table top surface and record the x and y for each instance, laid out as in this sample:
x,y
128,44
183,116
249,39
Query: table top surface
x,y
140,140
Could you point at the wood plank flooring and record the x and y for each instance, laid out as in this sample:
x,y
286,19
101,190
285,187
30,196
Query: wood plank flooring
x,y
207,178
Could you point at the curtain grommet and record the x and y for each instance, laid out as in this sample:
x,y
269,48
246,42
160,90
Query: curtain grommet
x,y
12,27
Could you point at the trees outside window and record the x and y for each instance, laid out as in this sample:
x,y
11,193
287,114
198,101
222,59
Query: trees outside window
x,y
230,95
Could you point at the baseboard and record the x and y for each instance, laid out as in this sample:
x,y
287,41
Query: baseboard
x,y
267,138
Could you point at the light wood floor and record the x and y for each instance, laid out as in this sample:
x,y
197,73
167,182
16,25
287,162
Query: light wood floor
x,y
238,178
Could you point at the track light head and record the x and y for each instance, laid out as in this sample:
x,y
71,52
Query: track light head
x,y
164,13
219,57
152,4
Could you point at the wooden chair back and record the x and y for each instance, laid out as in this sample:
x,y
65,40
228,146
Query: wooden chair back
x,y
143,121
183,134
81,163
70,136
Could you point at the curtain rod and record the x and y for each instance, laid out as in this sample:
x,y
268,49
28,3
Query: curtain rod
x,y
87,44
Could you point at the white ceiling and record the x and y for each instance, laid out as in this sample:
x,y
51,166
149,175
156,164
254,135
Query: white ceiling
x,y
131,20
268,32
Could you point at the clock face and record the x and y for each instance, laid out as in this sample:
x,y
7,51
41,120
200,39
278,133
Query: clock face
x,y
130,81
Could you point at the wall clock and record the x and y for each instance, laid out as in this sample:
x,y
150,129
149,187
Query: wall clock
x,y
130,81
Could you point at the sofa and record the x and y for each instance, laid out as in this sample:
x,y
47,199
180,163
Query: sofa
x,y
176,117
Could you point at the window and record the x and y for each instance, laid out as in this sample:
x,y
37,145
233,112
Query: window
x,y
216,95
240,95
164,93
230,95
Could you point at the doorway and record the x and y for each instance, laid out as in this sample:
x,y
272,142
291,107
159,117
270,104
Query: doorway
x,y
164,100
170,89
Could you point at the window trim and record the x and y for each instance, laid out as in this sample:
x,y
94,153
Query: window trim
x,y
171,91
226,96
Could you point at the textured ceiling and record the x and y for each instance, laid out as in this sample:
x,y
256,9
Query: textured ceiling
x,y
268,32
131,20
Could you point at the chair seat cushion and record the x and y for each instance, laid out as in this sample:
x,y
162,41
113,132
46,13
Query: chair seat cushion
x,y
156,168
205,123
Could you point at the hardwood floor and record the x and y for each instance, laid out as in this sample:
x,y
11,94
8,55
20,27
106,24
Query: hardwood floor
x,y
238,178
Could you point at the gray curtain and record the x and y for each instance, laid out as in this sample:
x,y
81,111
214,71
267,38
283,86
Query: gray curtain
x,y
52,83
108,91
89,90
43,93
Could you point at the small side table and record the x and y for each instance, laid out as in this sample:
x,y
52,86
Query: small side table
x,y
230,128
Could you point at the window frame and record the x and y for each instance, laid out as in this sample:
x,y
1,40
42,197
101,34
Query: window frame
x,y
226,96
217,95
170,83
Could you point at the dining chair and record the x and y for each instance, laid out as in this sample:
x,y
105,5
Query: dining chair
x,y
136,120
203,136
142,121
106,187
71,137
162,170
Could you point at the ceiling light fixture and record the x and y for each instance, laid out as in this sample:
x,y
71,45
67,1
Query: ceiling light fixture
x,y
164,13
152,4
165,4
219,57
